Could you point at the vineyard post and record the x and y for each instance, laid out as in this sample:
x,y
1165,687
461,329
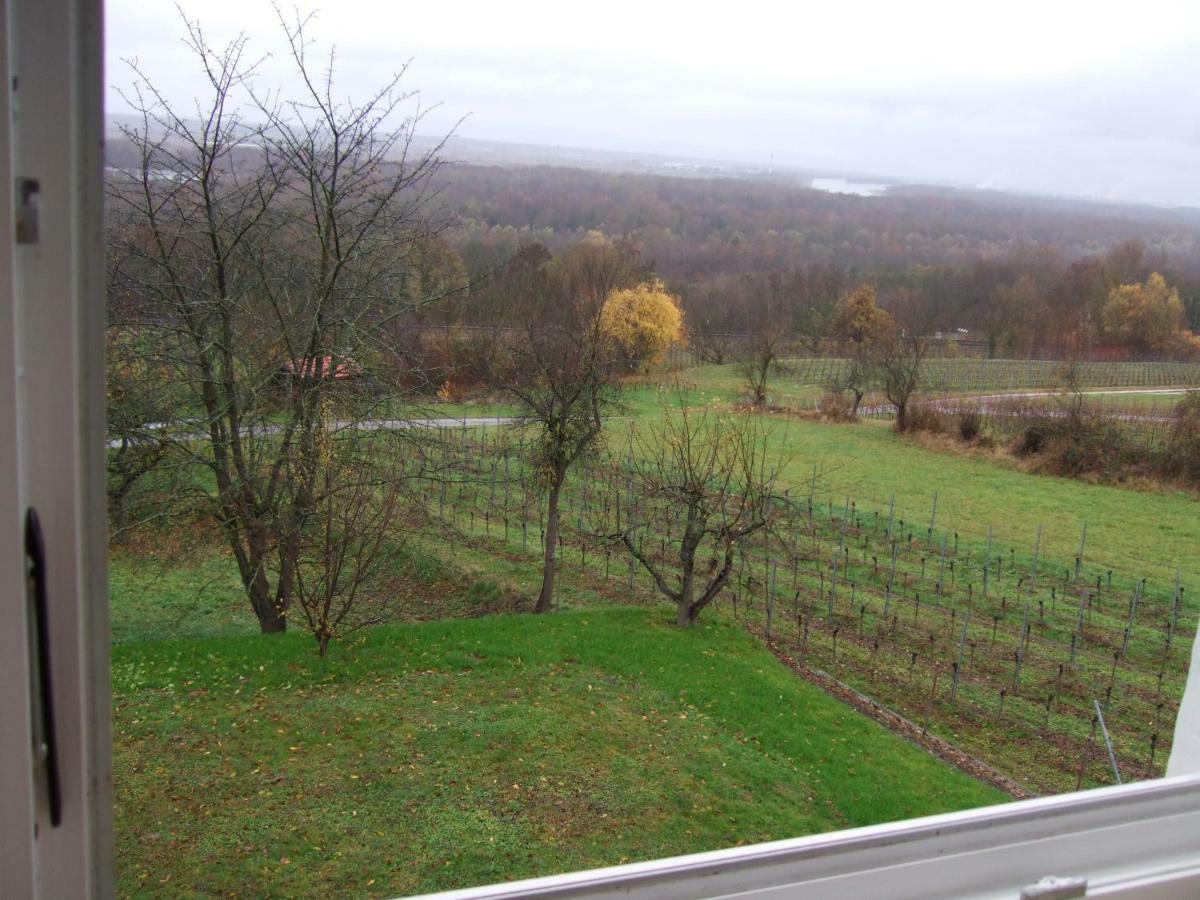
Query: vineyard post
x,y
962,646
1082,543
629,505
987,562
1133,605
1175,603
487,517
1083,759
507,487
1025,626
942,567
1037,546
771,601
1112,757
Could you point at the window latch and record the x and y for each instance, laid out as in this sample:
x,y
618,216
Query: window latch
x,y
27,210
45,746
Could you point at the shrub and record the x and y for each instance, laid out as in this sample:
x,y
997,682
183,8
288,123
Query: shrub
x,y
1031,441
836,407
970,422
1182,452
925,417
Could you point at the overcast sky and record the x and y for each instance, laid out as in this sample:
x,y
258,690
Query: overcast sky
x,y
1054,96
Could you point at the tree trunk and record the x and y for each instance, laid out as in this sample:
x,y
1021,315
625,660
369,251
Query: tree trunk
x,y
858,395
550,560
683,615
270,618
902,416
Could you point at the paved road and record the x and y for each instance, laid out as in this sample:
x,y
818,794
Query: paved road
x,y
366,425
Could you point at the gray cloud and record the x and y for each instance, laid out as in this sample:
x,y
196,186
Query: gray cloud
x,y
1067,98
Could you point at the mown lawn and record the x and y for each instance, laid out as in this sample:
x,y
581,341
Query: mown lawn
x,y
451,753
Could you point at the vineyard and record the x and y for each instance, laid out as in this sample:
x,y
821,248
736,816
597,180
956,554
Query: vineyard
x,y
974,376
1026,662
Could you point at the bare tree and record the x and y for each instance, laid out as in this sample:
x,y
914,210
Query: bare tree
x,y
703,480
900,360
268,254
857,377
760,360
560,368
348,540
711,346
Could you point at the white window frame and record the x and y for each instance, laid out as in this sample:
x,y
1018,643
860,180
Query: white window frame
x,y
1139,840
52,444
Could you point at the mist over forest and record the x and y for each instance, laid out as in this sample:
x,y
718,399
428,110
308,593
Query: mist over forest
x,y
1021,272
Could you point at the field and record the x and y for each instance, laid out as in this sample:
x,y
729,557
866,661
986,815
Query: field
x,y
1034,642
426,755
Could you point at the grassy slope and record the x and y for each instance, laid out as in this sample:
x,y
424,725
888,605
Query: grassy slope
x,y
450,753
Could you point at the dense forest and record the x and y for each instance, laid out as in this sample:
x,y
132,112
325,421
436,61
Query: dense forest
x,y
1023,276
1013,276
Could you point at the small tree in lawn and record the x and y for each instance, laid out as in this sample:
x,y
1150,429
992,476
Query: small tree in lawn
x,y
267,243
900,360
756,367
864,332
708,474
348,540
561,368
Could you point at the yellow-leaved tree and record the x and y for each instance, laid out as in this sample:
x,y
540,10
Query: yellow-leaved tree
x,y
642,322
1148,318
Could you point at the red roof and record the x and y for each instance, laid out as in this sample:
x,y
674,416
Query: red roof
x,y
322,367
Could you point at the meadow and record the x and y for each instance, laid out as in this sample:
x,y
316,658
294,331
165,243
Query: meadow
x,y
468,742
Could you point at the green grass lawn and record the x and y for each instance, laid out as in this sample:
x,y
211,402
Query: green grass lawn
x,y
1137,533
444,754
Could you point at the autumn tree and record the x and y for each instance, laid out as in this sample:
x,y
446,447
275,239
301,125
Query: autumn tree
x,y
642,322
1148,318
702,481
864,332
268,250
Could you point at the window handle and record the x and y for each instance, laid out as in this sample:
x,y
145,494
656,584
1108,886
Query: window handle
x,y
45,748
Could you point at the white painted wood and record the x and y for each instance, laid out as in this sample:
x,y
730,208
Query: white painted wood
x,y
16,813
52,442
1139,840
1185,749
